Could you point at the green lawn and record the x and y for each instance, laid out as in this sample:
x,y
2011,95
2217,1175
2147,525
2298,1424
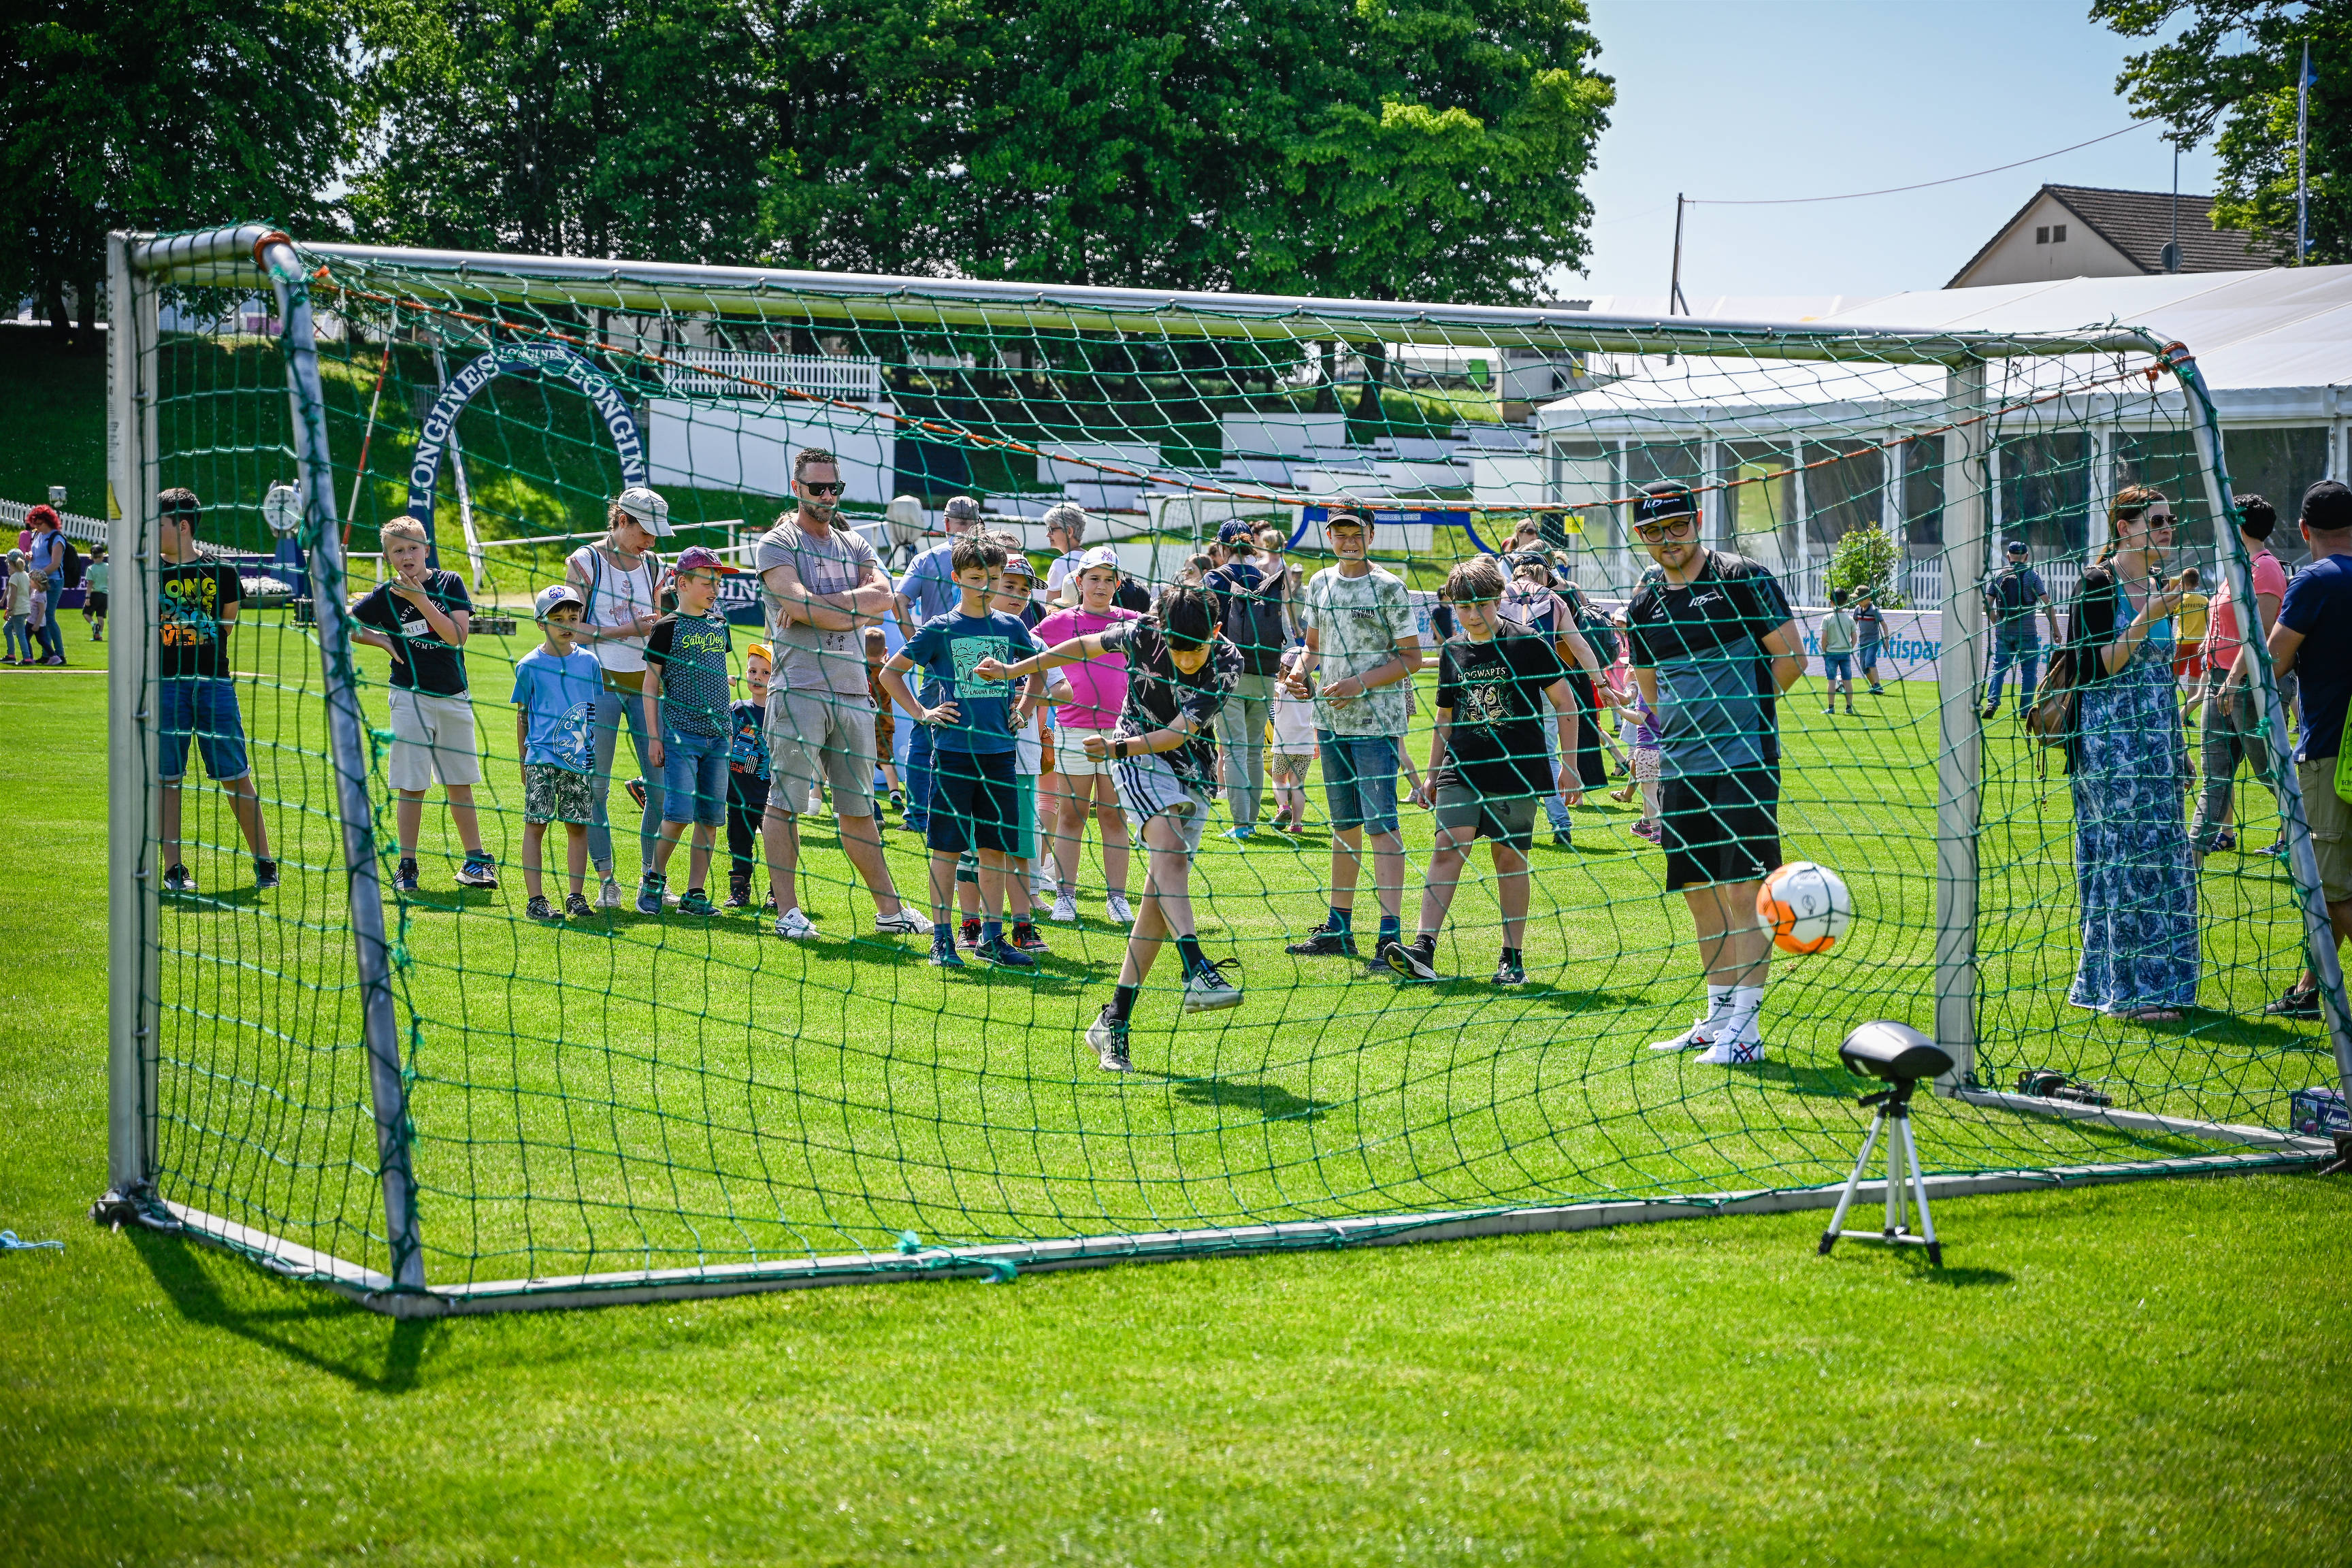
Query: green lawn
x,y
2131,1374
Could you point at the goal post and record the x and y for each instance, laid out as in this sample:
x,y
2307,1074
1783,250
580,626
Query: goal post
x,y
438,1101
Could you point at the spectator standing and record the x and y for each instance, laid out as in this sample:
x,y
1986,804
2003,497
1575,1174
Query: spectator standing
x,y
422,617
2228,726
558,688
94,579
1066,536
1293,749
1713,646
2010,601
1097,691
47,559
20,610
747,774
2314,639
824,585
1359,624
687,708
1870,628
1250,612
926,592
197,605
1015,595
1838,638
2134,876
618,579
2188,659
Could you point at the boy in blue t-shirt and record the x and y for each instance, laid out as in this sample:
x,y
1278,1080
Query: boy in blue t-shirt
x,y
555,689
692,723
974,803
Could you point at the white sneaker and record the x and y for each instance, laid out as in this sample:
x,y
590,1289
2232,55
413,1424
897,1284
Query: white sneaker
x,y
1206,991
1065,908
1044,887
1116,906
1733,1052
1697,1035
609,897
794,924
906,923
1110,1043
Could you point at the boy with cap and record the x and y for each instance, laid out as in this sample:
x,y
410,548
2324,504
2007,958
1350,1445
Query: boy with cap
x,y
1250,612
1713,646
1179,671
422,617
557,687
1488,762
2313,641
971,736
1359,624
196,607
687,710
2010,598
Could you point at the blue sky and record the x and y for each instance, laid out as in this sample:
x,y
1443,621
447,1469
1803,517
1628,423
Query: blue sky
x,y
1802,98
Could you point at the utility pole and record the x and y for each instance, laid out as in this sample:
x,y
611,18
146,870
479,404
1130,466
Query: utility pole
x,y
2302,160
2173,251
1676,305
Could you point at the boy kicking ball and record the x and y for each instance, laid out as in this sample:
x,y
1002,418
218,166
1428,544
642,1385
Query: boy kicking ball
x,y
556,686
1488,763
1164,762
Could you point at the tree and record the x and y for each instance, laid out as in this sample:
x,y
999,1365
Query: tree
x,y
168,115
2234,65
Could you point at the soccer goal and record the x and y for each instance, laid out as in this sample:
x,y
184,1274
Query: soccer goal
x,y
426,1098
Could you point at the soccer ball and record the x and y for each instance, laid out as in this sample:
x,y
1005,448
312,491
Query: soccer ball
x,y
1806,905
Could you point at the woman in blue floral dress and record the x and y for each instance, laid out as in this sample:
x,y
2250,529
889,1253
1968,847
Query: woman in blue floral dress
x,y
2135,877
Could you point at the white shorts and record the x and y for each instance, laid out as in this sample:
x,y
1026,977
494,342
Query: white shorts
x,y
1070,758
431,737
1149,787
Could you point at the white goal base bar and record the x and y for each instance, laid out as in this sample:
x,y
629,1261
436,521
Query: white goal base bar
x,y
1002,1261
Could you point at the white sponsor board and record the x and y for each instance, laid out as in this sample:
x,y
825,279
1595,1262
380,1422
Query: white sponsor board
x,y
1914,641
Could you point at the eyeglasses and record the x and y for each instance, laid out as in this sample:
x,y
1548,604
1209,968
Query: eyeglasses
x,y
1672,528
817,489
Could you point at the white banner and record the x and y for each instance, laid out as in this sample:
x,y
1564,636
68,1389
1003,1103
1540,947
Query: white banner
x,y
1914,641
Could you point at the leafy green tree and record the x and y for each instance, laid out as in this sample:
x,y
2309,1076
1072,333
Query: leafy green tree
x,y
163,115
2233,65
1863,558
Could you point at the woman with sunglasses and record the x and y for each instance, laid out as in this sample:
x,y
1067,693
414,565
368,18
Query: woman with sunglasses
x,y
2134,875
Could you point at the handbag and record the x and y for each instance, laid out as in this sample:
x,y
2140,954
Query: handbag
x,y
2050,717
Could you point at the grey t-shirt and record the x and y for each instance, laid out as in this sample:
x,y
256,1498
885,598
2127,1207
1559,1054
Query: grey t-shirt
x,y
809,660
1358,622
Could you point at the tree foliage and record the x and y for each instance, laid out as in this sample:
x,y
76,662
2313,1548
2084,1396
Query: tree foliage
x,y
2234,66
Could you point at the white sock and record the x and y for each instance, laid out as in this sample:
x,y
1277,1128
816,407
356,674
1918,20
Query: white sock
x,y
1740,1022
1718,1005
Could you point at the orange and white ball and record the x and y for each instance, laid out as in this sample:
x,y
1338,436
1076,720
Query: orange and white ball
x,y
1806,906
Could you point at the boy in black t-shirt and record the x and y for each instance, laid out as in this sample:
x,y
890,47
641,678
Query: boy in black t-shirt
x,y
1490,762
1714,644
422,617
196,699
1180,672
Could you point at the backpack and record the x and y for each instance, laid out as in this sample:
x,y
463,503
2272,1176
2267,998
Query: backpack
x,y
73,562
1253,623
2011,595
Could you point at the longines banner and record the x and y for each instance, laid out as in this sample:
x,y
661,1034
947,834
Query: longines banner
x,y
549,360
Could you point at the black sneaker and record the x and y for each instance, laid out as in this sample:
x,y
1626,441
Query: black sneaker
x,y
265,874
1507,972
479,871
578,908
404,877
1004,955
1415,961
1107,1035
2299,1001
177,878
1025,937
1561,840
739,895
968,934
697,902
1325,941
636,788
539,909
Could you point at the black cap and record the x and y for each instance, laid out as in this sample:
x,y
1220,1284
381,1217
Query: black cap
x,y
1664,499
1237,531
2017,547
2328,507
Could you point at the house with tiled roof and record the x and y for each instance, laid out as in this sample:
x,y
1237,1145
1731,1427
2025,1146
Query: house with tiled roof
x,y
2084,231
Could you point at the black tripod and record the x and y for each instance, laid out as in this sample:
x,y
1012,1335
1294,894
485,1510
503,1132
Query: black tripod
x,y
1893,1104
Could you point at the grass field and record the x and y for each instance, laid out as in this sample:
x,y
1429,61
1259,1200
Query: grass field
x,y
2135,1374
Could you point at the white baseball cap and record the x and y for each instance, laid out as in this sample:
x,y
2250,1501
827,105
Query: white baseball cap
x,y
1100,555
647,507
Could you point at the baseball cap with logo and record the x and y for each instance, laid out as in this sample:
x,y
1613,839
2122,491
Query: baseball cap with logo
x,y
1348,510
1663,502
1018,565
699,558
1100,555
1237,531
648,508
556,596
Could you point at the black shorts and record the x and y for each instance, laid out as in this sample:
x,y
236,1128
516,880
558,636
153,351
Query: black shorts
x,y
974,802
1721,827
94,603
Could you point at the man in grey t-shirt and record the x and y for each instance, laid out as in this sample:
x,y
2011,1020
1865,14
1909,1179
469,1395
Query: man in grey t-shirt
x,y
824,586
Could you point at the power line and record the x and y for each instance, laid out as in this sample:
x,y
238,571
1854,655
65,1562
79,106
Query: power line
x,y
1924,185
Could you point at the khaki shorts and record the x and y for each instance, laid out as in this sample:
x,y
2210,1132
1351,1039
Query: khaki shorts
x,y
2329,817
1288,764
814,735
432,736
1070,758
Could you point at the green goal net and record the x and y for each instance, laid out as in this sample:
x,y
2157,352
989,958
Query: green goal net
x,y
426,1096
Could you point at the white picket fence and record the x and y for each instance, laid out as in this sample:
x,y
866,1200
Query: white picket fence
x,y
719,373
73,525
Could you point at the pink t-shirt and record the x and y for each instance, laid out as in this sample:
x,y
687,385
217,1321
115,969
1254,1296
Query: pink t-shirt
x,y
1097,686
2221,630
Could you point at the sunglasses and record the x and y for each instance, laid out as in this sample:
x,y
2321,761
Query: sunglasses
x,y
1672,528
816,490
2158,520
